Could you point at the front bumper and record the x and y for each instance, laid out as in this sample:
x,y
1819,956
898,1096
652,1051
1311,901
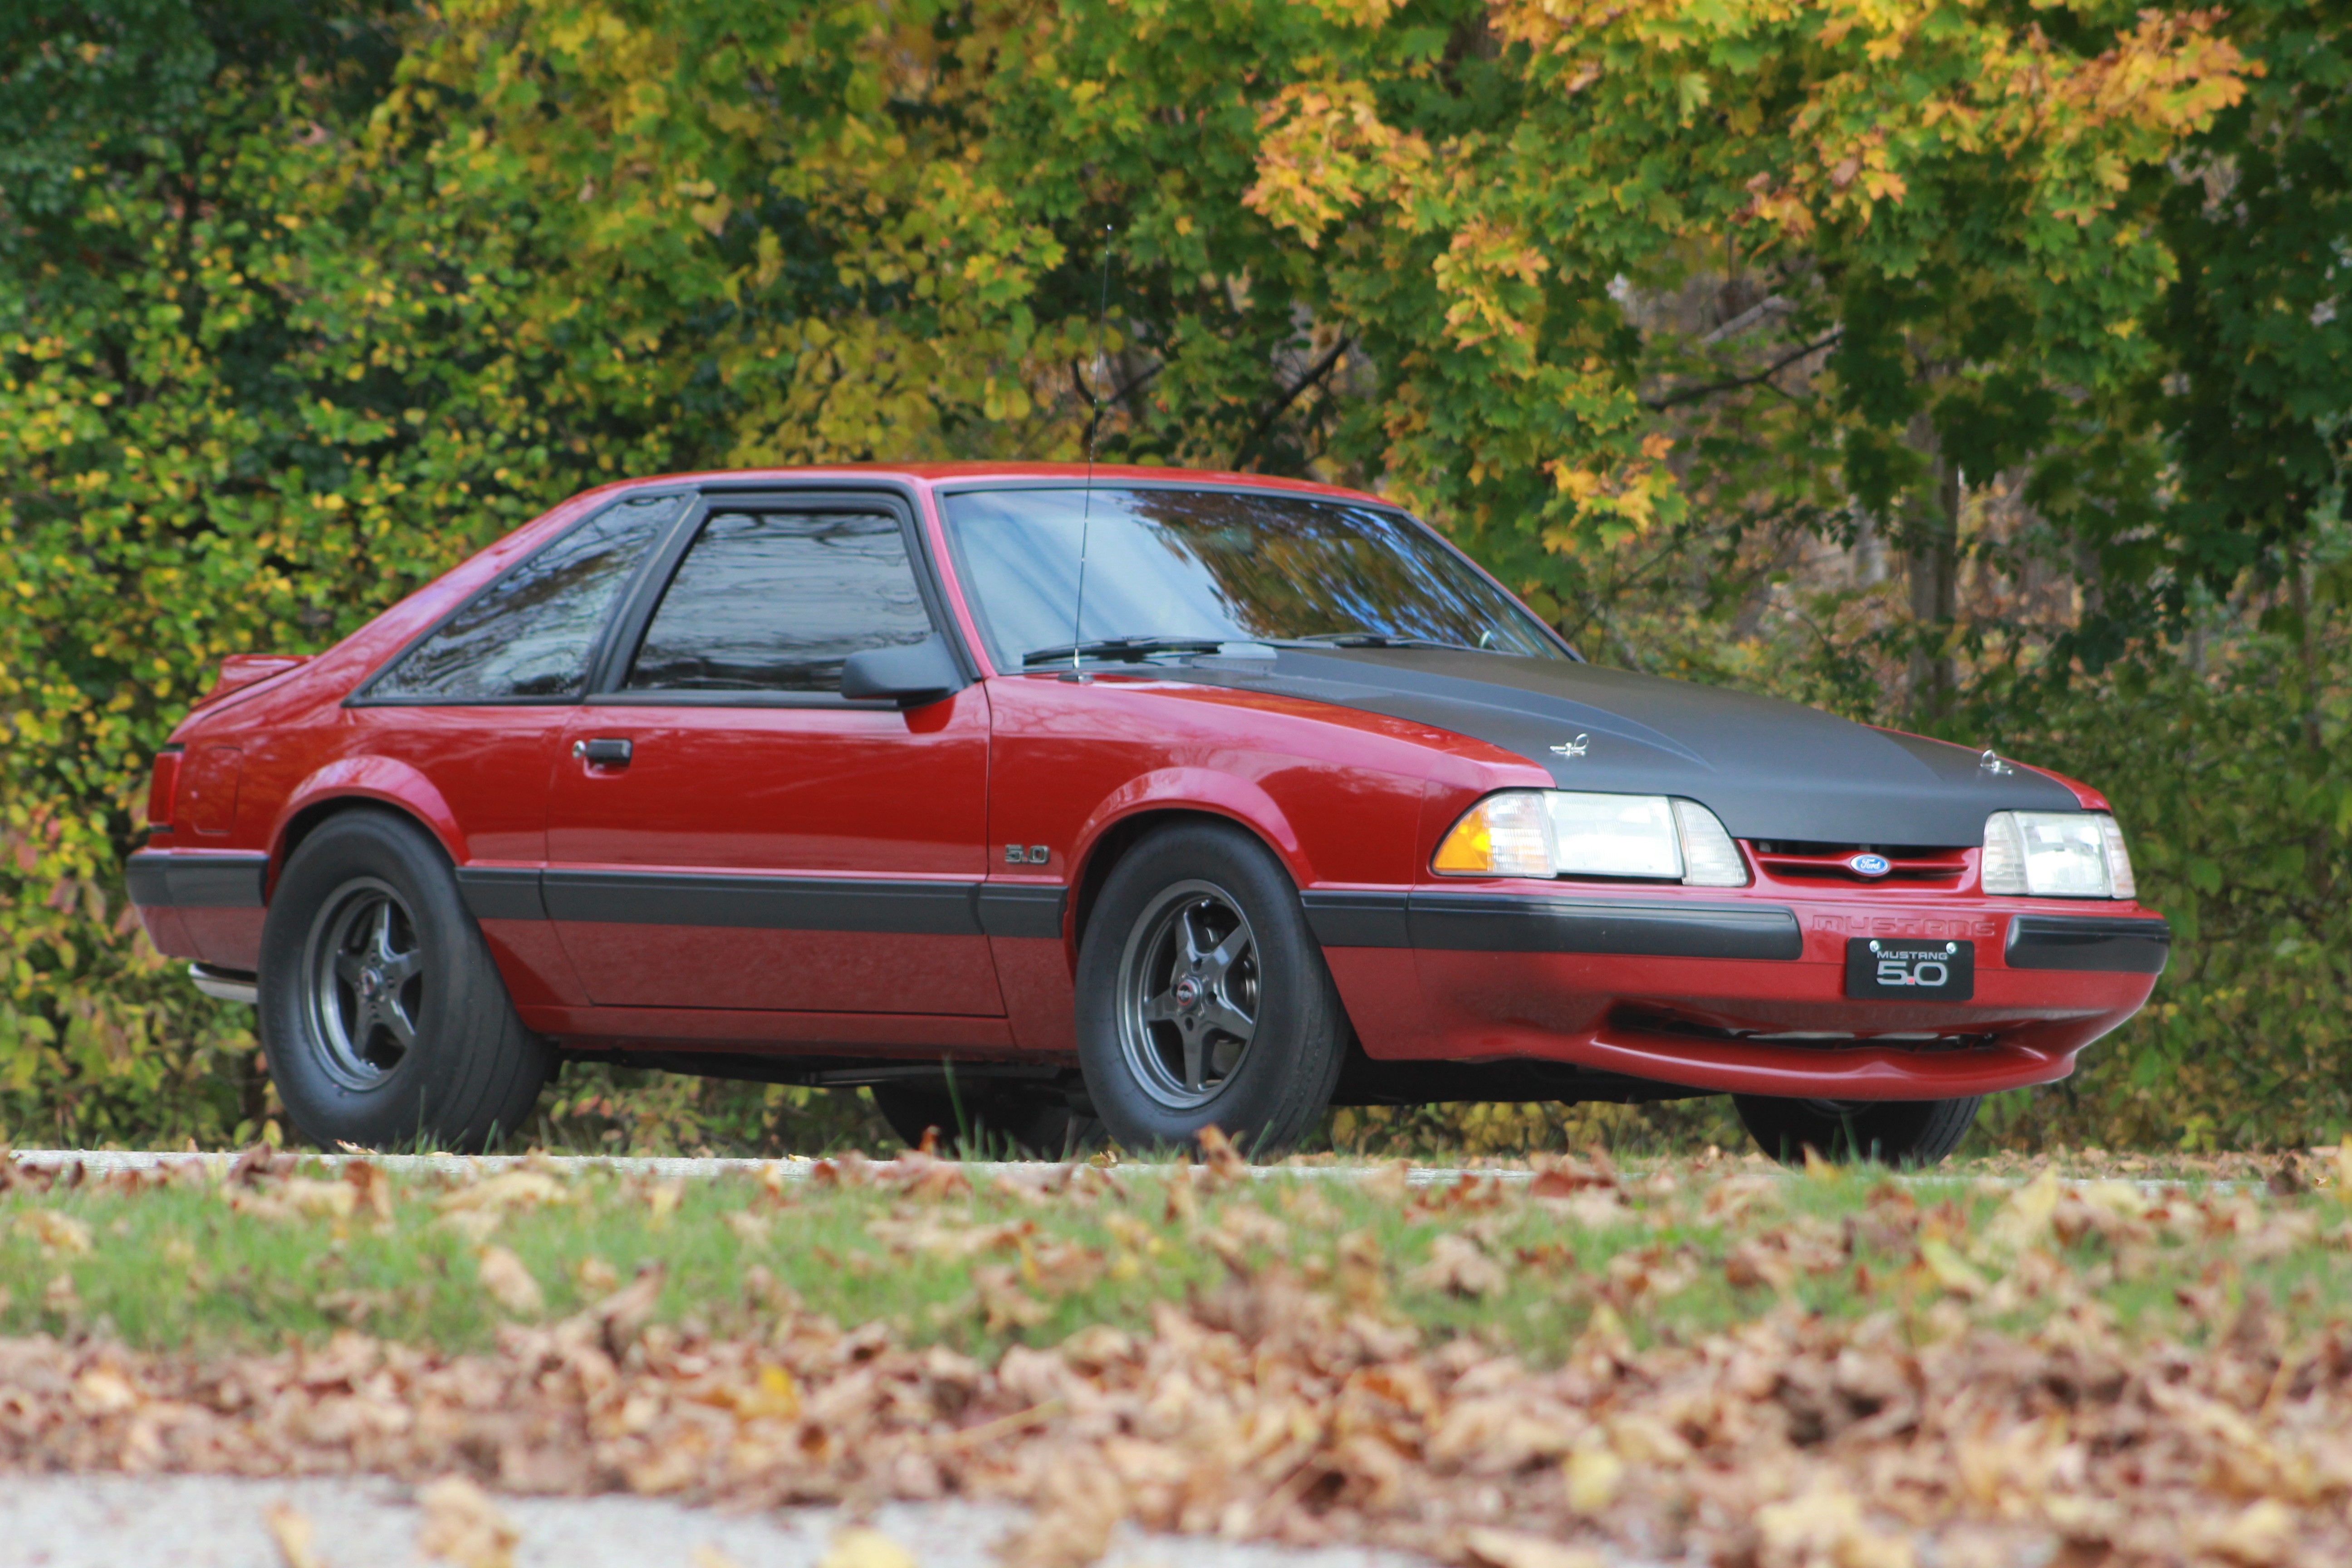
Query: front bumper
x,y
1732,994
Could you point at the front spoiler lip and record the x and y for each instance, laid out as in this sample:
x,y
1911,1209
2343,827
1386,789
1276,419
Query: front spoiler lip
x,y
1859,1072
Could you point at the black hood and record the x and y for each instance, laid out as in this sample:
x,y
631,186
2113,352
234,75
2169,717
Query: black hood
x,y
1769,769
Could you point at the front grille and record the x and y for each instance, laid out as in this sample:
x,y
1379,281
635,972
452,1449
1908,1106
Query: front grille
x,y
1913,865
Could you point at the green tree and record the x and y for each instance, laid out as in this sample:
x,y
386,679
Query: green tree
x,y
300,304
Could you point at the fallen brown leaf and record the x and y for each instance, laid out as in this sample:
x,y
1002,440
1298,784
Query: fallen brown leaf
x,y
371,1187
1492,1548
292,1532
59,1234
1459,1266
662,1199
1825,1528
463,1526
509,1284
507,1191
626,1312
1222,1161
861,1546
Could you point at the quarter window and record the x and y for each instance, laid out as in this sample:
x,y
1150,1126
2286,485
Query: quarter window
x,y
776,601
530,634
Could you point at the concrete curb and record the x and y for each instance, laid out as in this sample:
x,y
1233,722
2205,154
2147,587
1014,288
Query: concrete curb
x,y
800,1168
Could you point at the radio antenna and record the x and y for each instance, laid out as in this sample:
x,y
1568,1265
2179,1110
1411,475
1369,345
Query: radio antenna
x,y
1094,426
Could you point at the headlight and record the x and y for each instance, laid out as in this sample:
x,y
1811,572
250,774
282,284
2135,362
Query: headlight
x,y
1564,833
2056,854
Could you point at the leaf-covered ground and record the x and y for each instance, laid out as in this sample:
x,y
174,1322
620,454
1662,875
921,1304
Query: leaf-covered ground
x,y
1841,1370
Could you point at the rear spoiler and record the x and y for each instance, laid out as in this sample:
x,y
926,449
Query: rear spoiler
x,y
239,670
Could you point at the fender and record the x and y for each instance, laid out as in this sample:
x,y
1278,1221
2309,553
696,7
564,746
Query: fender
x,y
2091,799
395,783
1202,790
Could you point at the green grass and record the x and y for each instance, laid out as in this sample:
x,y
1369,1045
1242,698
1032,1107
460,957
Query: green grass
x,y
194,1264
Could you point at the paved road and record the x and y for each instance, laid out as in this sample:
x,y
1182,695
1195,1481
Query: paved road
x,y
196,1521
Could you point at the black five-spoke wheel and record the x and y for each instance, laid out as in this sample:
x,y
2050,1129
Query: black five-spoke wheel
x,y
366,975
383,1016
1202,996
1189,982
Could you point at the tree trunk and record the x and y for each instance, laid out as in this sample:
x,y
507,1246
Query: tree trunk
x,y
1932,563
2318,863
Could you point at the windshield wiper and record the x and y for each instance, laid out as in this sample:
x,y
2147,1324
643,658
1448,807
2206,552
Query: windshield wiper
x,y
1131,649
1369,639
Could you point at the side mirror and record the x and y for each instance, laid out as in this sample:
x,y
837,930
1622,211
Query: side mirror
x,y
909,676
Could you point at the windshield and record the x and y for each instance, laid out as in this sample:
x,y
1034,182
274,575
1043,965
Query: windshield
x,y
1193,567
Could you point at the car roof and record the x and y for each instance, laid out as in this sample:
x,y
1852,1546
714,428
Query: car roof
x,y
932,474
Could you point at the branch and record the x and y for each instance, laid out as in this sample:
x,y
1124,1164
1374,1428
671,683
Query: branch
x,y
1692,393
1093,419
1316,372
1123,394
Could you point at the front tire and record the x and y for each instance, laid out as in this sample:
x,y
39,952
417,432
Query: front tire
x,y
1203,1000
1909,1132
382,1016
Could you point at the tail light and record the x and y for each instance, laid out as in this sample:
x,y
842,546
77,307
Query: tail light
x,y
163,788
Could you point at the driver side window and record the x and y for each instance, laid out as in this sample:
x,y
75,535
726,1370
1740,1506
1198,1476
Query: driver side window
x,y
775,602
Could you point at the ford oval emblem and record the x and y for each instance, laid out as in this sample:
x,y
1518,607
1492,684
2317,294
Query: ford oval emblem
x,y
1869,865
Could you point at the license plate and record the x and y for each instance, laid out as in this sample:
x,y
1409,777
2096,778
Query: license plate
x,y
1910,971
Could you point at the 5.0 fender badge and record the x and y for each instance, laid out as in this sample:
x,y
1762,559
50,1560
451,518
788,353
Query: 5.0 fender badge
x,y
1573,748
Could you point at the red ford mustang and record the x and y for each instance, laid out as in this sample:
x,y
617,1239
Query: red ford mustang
x,y
1159,801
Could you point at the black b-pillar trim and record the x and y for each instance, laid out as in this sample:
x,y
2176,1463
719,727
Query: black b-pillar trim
x,y
2110,944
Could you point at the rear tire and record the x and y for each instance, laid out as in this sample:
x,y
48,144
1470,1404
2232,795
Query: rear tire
x,y
1203,1000
1909,1132
1039,1128
382,1016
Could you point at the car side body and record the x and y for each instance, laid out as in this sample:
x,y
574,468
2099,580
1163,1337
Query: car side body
x,y
839,889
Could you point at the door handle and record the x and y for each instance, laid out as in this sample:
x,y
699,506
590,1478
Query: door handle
x,y
605,753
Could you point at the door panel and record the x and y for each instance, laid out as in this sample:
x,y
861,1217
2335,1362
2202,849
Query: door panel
x,y
726,832
819,859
